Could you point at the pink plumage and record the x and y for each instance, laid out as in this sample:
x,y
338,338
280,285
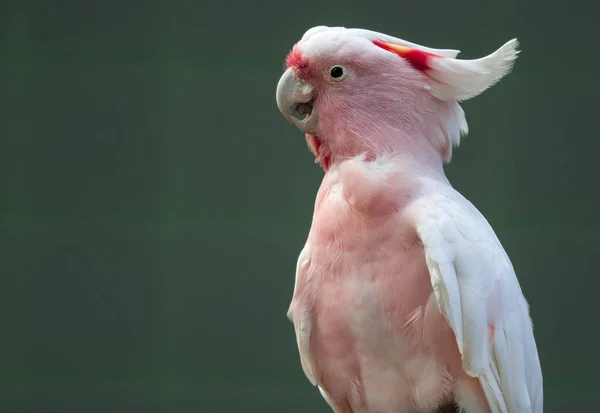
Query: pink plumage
x,y
404,299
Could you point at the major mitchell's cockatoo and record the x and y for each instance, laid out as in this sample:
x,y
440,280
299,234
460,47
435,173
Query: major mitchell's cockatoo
x,y
404,299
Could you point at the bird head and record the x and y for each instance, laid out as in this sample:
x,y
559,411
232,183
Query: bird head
x,y
355,91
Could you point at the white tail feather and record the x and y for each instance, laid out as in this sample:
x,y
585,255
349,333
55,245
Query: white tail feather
x,y
464,79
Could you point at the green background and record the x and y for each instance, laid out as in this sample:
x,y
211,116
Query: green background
x,y
153,200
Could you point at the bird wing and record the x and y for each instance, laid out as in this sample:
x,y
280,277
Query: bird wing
x,y
302,323
478,292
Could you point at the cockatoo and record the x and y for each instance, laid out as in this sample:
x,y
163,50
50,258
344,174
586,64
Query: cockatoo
x,y
404,299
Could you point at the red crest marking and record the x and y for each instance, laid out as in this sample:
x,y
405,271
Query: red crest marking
x,y
417,58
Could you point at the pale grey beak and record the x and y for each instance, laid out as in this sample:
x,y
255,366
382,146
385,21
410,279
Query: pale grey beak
x,y
295,99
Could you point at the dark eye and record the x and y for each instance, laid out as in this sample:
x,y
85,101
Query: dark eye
x,y
337,73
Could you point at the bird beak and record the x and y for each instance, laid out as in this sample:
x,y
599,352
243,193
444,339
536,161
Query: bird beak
x,y
295,99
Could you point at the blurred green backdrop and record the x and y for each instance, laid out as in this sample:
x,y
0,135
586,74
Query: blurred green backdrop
x,y
154,201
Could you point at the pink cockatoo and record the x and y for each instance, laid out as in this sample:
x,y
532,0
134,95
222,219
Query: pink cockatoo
x,y
404,299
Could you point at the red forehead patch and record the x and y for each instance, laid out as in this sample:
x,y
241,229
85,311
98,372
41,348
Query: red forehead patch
x,y
297,63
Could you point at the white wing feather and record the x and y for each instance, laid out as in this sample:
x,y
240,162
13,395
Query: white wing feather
x,y
476,287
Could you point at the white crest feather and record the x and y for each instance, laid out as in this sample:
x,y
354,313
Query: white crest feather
x,y
451,129
372,35
464,79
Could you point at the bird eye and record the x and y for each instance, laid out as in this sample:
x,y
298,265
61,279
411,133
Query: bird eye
x,y
337,73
